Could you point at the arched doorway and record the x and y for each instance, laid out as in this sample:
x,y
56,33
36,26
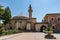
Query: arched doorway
x,y
42,28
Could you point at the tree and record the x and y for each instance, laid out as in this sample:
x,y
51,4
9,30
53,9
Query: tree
x,y
1,13
7,15
0,24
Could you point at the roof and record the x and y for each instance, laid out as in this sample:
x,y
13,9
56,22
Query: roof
x,y
33,18
19,17
40,23
53,14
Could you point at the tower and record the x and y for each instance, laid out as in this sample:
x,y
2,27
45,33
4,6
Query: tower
x,y
30,11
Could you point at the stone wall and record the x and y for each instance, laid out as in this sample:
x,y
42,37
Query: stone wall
x,y
39,25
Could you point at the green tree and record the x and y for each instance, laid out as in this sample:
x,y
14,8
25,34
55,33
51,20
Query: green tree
x,y
0,24
1,12
7,15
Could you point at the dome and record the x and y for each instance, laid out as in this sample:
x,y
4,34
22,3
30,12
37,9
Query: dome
x,y
20,17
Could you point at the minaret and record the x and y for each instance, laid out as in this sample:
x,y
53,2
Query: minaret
x,y
30,11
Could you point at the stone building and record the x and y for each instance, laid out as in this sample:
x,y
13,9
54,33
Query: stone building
x,y
30,24
54,20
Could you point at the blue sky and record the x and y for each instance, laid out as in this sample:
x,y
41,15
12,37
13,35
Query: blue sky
x,y
40,7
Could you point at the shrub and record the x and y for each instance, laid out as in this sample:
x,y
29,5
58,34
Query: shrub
x,y
7,32
49,29
15,31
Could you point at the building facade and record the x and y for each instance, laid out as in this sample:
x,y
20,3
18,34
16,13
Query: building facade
x,y
30,24
54,20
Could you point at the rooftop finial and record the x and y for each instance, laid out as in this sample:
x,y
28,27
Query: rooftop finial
x,y
30,6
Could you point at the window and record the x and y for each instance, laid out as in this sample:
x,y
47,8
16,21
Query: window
x,y
58,18
52,19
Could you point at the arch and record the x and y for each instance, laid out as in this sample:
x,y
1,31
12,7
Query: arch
x,y
42,28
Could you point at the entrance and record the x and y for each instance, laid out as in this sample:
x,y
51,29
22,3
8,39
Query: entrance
x,y
42,29
28,27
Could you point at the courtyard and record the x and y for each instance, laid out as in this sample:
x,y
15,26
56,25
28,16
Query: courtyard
x,y
28,36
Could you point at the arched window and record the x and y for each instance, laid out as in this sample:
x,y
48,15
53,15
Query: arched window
x,y
52,19
58,18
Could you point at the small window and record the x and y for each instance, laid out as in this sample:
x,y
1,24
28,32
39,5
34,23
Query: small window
x,y
58,18
52,19
10,27
15,21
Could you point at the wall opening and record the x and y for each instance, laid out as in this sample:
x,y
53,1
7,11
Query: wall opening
x,y
42,28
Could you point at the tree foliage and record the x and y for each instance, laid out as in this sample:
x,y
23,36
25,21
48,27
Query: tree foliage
x,y
7,15
1,12
0,24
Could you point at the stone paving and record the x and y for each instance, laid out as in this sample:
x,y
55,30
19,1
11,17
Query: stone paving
x,y
28,36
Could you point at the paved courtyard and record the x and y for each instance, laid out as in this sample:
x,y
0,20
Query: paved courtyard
x,y
28,36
